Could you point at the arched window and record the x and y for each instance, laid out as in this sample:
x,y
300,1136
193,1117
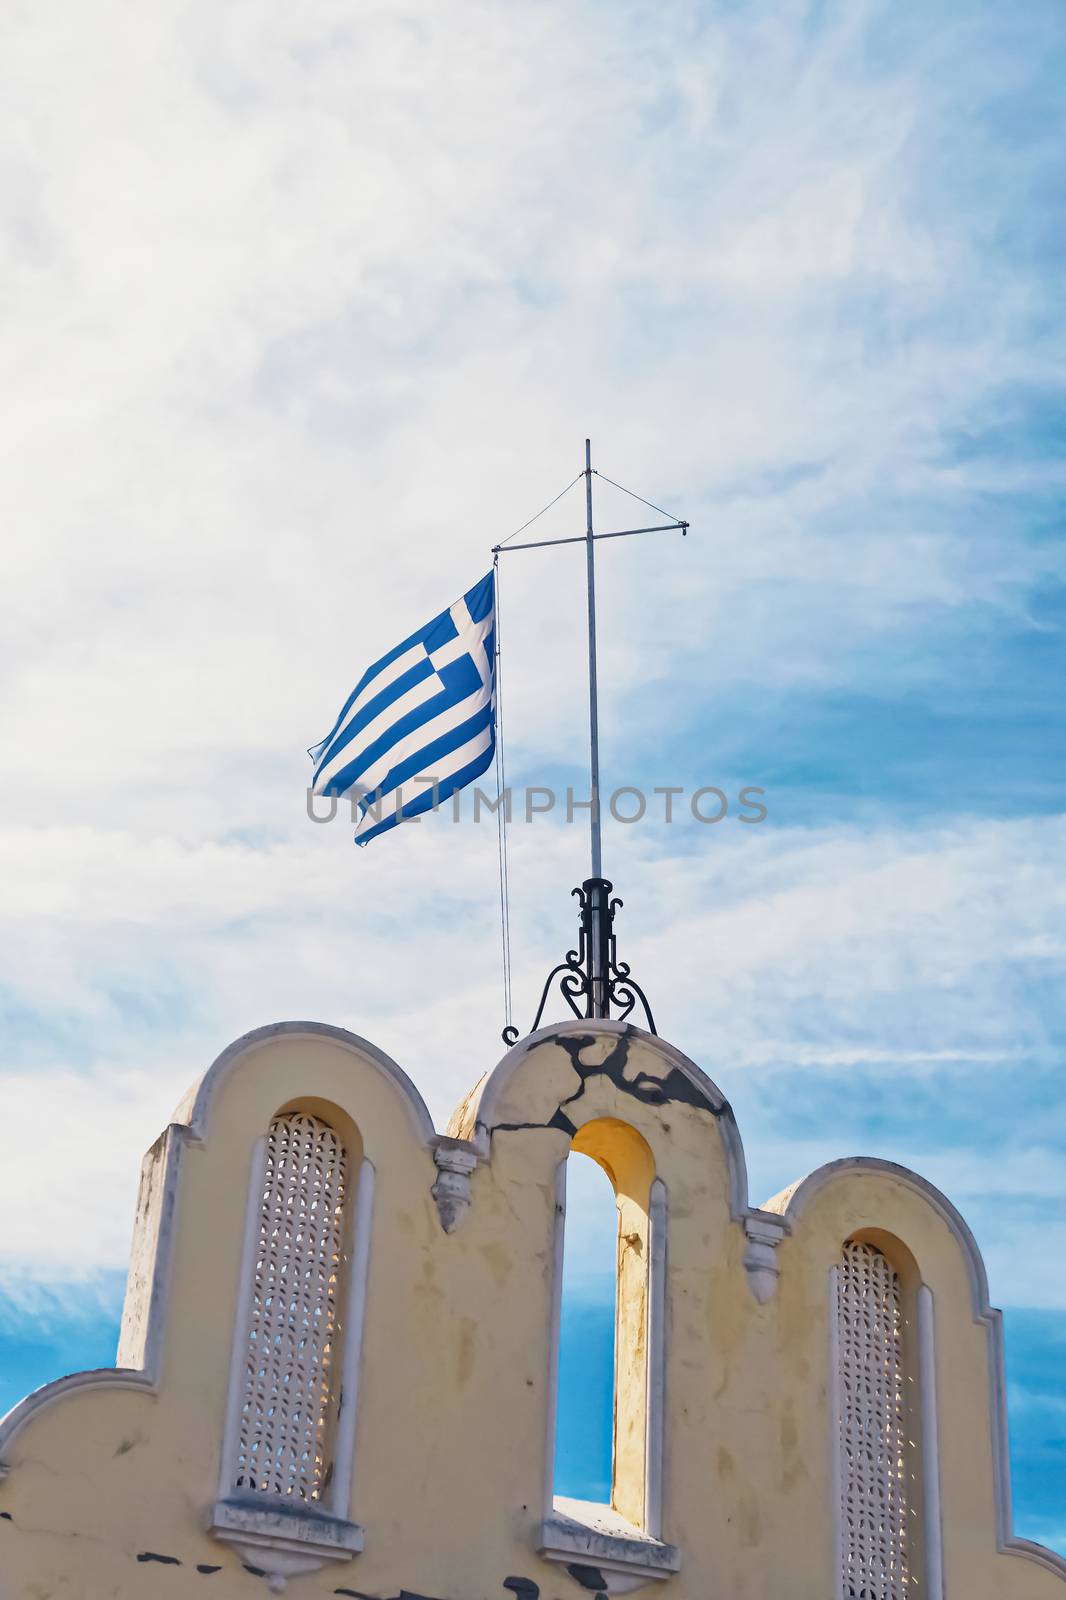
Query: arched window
x,y
584,1411
289,1396
289,1433
626,1505
875,1554
885,1445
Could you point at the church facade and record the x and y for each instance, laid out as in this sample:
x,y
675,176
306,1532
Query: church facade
x,y
338,1359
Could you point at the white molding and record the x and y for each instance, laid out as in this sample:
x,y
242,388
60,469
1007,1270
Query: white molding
x,y
836,1488
285,1542
242,1316
49,1393
792,1202
933,1528
151,1238
455,1160
552,1387
656,1359
352,1334
195,1108
597,1536
764,1231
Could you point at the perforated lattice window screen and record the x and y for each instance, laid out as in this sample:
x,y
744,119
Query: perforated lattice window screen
x,y
292,1333
872,1429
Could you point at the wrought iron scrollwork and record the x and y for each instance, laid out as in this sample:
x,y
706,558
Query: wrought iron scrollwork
x,y
591,979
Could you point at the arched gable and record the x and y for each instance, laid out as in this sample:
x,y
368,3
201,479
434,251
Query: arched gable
x,y
857,1193
243,1063
194,1110
543,1081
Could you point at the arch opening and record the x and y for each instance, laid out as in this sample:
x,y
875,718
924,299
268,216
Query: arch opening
x,y
584,1413
608,1410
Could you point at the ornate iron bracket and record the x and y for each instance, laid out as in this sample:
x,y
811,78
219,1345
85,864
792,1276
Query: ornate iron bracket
x,y
591,978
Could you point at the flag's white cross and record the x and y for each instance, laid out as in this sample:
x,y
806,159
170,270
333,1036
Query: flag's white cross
x,y
470,641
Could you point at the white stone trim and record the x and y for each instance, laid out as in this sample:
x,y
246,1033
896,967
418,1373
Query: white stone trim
x,y
933,1528
195,1108
791,1204
556,1312
764,1232
455,1160
49,1393
241,1320
836,1487
597,1536
282,1542
655,1346
352,1331
151,1239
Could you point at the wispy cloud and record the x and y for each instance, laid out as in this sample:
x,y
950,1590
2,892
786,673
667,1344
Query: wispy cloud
x,y
307,311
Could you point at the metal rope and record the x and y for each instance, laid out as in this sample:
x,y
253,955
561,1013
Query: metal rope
x,y
501,819
540,513
632,495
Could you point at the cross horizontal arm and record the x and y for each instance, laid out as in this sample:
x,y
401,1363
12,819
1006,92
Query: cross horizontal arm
x,y
622,533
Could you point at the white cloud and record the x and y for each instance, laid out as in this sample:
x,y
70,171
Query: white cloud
x,y
834,952
309,307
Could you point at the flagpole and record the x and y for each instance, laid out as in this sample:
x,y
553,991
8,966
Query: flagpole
x,y
596,906
594,713
592,972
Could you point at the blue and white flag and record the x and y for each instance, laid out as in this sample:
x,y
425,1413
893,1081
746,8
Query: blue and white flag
x,y
420,723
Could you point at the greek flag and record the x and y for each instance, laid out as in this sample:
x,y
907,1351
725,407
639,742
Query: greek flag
x,y
420,723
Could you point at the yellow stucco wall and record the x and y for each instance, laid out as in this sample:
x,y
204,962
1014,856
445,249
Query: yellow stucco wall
x,y
108,1490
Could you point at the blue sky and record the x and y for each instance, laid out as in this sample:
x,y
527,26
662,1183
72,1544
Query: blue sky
x,y
309,309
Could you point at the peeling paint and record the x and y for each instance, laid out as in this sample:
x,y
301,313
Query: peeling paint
x,y
404,1594
522,1588
587,1577
675,1088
